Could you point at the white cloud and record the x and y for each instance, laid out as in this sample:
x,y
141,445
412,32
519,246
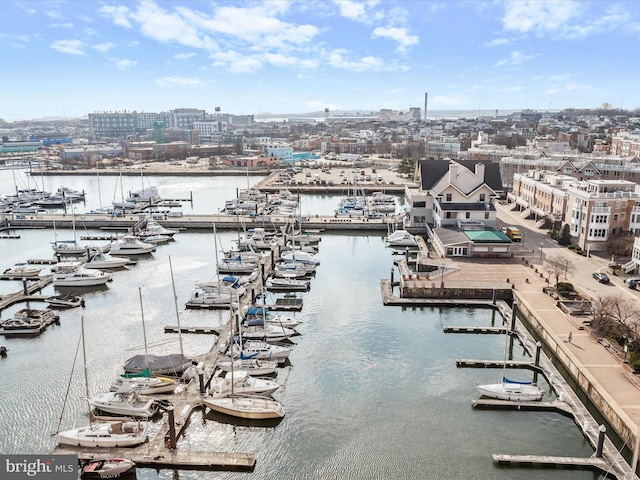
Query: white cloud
x,y
496,42
351,9
180,81
54,14
539,15
124,64
103,47
118,14
514,88
184,56
338,60
400,35
516,58
73,47
62,25
236,62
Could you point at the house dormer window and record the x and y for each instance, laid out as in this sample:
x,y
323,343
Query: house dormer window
x,y
449,197
482,197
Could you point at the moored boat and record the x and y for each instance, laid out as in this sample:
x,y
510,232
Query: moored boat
x,y
106,468
22,270
257,408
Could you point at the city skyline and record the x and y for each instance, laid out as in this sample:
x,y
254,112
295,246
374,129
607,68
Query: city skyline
x,y
68,59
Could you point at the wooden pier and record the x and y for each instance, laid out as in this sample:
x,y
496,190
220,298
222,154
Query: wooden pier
x,y
554,406
493,330
568,403
21,296
546,461
471,363
181,329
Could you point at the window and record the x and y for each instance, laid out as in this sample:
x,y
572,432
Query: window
x,y
486,215
482,197
448,215
467,215
449,197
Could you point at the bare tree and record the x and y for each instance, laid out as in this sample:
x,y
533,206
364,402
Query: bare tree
x,y
615,317
557,265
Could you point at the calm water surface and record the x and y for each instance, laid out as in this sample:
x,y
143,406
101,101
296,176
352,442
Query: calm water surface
x,y
372,392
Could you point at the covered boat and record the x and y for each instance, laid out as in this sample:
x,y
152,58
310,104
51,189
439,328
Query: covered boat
x,y
173,364
105,435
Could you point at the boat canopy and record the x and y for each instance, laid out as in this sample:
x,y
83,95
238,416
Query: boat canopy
x,y
257,311
157,363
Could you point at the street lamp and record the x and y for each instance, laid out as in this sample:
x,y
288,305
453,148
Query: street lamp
x,y
541,245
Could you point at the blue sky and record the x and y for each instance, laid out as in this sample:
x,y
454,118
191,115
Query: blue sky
x,y
71,58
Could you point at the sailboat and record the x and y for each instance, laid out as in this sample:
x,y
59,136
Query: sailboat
x,y
252,407
171,364
111,434
512,390
69,247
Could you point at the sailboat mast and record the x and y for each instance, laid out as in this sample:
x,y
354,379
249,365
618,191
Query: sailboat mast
x,y
144,331
175,301
84,361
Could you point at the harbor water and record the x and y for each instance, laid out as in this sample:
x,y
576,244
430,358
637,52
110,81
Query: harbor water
x,y
371,392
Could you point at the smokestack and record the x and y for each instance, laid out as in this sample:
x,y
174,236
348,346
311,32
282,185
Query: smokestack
x,y
426,96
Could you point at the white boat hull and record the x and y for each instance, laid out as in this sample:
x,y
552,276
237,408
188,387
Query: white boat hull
x,y
105,435
245,407
512,391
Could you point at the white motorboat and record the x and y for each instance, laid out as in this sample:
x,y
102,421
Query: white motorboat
x,y
301,257
227,284
401,238
273,318
243,384
22,270
105,435
259,350
100,260
144,385
209,298
252,366
156,239
287,283
106,468
154,228
65,301
307,268
257,408
129,404
79,277
130,245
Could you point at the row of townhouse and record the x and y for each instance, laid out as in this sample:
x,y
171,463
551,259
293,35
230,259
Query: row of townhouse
x,y
594,209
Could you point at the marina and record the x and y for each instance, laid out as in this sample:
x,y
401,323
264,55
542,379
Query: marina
x,y
361,326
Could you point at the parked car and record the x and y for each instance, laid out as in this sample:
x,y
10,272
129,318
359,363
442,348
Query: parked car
x,y
601,277
632,282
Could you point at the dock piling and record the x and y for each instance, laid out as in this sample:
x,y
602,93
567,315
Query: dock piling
x,y
601,432
538,349
200,369
172,428
494,297
25,288
514,315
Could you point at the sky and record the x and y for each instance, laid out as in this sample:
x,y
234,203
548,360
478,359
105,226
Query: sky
x,y
71,58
